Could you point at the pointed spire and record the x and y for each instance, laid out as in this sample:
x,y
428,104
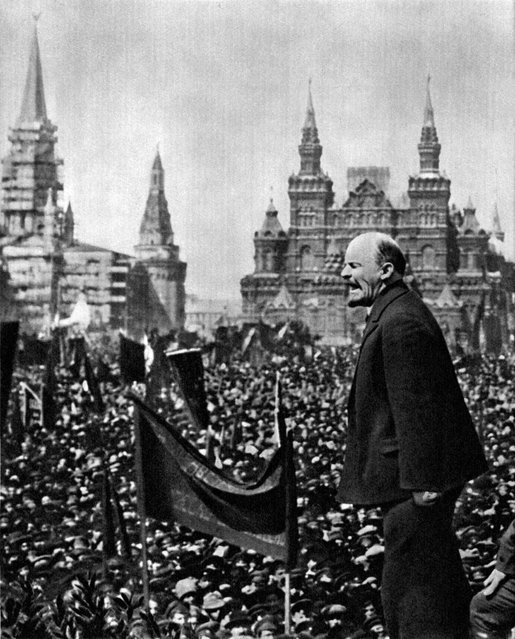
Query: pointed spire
x,y
470,206
157,160
496,224
68,226
33,108
157,180
271,226
271,210
429,148
156,228
429,116
310,122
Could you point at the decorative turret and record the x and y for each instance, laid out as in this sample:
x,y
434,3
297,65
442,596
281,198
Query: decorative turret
x,y
270,243
48,230
470,222
68,229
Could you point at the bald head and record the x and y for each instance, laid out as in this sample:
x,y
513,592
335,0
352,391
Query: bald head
x,y
372,261
385,249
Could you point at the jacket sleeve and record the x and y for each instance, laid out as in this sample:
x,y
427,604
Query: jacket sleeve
x,y
412,356
506,556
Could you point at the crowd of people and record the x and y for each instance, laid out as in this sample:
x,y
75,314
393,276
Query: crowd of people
x,y
58,580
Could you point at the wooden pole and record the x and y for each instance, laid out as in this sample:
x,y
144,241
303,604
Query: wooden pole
x,y
287,604
141,508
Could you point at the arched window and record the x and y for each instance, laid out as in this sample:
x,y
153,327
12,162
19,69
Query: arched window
x,y
307,260
428,257
268,259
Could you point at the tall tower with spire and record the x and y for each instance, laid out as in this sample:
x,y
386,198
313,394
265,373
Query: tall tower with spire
x,y
31,167
157,260
311,196
31,215
425,229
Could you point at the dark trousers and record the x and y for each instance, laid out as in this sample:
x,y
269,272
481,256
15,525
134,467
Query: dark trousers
x,y
424,591
493,617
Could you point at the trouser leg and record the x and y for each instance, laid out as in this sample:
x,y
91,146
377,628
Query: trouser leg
x,y
425,592
493,617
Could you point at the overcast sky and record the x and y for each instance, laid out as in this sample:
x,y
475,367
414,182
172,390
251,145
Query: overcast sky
x,y
222,87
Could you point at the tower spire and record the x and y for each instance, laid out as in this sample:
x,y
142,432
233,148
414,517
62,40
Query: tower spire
x,y
156,228
310,148
429,116
429,147
496,224
33,108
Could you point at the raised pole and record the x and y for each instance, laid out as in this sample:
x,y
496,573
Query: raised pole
x,y
287,604
141,508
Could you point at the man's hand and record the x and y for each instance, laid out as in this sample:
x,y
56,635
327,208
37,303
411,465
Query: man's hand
x,y
425,498
493,581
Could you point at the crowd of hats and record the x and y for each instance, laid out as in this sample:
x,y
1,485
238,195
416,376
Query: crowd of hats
x,y
51,514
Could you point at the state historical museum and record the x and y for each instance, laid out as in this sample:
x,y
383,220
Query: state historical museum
x,y
456,266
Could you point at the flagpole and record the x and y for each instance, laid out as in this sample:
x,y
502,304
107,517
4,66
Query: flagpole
x,y
285,441
141,508
287,603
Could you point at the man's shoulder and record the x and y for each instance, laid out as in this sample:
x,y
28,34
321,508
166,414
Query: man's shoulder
x,y
408,309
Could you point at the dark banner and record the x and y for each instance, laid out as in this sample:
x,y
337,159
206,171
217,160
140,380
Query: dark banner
x,y
8,341
132,360
188,372
180,485
33,351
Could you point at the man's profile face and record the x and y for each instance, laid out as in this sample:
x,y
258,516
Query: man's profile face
x,y
361,272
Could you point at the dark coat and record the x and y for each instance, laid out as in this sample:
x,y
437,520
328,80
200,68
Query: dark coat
x,y
408,426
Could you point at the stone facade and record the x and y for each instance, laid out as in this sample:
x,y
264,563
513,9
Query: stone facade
x,y
450,258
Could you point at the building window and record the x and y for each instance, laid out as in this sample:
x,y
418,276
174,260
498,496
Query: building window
x,y
307,259
428,258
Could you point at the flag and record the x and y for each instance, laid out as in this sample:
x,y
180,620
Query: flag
x,y
33,351
8,342
93,387
179,484
189,376
132,360
290,496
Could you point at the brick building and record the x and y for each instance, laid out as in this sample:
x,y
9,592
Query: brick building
x,y
452,261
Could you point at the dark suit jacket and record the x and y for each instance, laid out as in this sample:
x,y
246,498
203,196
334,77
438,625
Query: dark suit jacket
x,y
408,426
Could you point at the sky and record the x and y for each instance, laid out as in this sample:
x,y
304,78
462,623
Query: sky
x,y
222,88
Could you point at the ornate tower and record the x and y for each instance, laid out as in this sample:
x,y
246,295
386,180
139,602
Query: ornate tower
x,y
270,245
311,196
31,167
30,214
159,257
425,229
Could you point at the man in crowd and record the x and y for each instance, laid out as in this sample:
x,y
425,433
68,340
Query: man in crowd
x,y
492,612
411,445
